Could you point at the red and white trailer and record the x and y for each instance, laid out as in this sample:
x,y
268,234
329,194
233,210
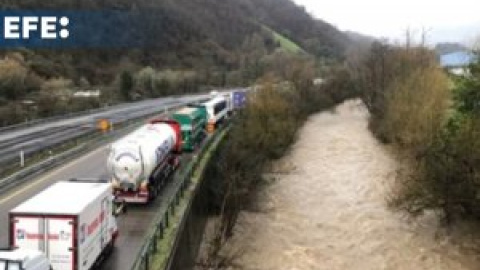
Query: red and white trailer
x,y
140,163
72,223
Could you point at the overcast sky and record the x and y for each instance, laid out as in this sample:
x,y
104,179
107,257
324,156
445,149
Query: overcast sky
x,y
453,20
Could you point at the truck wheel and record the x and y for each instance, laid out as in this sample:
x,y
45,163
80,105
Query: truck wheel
x,y
152,192
109,248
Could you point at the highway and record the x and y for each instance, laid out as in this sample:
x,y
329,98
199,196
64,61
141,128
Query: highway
x,y
46,135
133,225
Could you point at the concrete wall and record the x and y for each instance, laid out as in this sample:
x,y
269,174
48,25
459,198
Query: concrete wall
x,y
191,230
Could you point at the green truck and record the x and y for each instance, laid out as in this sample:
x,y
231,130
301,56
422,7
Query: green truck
x,y
193,121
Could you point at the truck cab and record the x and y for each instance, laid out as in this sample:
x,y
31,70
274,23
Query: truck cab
x,y
22,259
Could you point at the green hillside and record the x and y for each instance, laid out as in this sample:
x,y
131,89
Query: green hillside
x,y
285,43
199,44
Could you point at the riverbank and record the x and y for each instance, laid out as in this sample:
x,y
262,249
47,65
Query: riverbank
x,y
327,208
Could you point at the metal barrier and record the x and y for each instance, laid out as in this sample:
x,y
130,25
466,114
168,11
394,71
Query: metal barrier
x,y
34,122
54,161
163,220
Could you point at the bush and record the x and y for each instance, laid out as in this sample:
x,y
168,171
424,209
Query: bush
x,y
415,109
446,176
16,80
410,101
126,85
144,80
54,97
12,113
449,178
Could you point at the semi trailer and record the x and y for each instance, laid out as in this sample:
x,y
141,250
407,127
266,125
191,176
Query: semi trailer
x,y
72,222
217,110
140,163
239,99
193,121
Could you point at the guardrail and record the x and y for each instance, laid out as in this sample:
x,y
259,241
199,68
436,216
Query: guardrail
x,y
26,174
70,115
54,161
150,247
53,118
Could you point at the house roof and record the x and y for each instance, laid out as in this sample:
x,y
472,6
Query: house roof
x,y
457,59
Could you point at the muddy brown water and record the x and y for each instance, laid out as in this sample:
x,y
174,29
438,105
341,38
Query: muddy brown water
x,y
327,209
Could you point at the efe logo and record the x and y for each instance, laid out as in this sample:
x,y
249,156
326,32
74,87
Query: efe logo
x,y
22,27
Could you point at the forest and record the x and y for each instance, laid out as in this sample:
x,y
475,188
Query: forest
x,y
431,117
198,45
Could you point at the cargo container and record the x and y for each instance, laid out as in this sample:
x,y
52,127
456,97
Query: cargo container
x,y
239,99
140,163
22,259
217,110
229,103
193,122
72,223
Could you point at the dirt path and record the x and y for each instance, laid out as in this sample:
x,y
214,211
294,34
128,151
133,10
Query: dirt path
x,y
330,211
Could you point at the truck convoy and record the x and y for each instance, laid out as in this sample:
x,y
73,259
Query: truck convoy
x,y
140,163
72,223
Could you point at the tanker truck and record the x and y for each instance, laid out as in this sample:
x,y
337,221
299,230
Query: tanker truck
x,y
140,163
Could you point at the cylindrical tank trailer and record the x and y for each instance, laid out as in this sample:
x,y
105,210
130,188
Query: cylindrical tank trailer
x,y
141,162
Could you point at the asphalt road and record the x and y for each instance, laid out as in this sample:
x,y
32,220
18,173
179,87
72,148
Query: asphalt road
x,y
133,226
46,135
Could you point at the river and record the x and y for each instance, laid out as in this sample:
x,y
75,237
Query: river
x,y
327,209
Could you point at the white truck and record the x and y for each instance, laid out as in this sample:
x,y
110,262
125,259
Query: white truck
x,y
217,109
23,260
71,222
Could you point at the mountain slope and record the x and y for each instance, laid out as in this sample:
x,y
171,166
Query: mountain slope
x,y
190,35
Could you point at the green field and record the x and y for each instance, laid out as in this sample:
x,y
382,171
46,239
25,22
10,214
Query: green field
x,y
284,42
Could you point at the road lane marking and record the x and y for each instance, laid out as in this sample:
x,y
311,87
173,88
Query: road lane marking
x,y
49,175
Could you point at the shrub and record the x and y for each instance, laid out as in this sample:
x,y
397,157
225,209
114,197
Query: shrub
x,y
54,97
12,113
415,109
16,80
411,106
126,83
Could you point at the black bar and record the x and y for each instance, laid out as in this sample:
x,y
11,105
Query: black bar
x,y
154,239
172,207
146,261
